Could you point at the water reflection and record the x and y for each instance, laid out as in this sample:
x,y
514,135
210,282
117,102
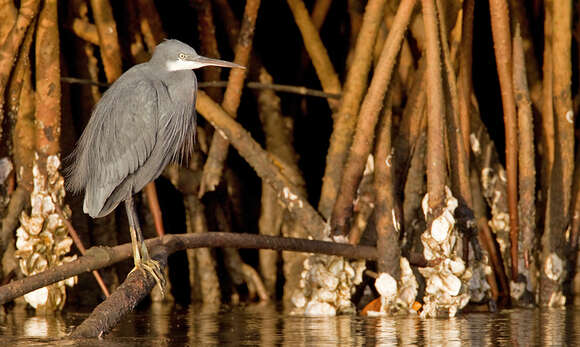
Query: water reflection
x,y
267,325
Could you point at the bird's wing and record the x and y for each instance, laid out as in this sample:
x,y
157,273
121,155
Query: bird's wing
x,y
128,133
118,139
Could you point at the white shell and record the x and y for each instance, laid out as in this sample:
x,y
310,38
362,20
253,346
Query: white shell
x,y
315,308
434,285
475,146
457,266
386,285
370,165
298,299
554,267
71,281
37,297
452,284
570,116
441,227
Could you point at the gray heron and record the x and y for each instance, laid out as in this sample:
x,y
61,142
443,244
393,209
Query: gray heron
x,y
144,120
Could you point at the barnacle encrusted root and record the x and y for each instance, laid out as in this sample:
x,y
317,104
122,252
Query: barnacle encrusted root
x,y
397,296
555,271
447,289
326,285
42,239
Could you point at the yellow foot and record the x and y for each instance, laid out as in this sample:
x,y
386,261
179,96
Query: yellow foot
x,y
154,269
143,261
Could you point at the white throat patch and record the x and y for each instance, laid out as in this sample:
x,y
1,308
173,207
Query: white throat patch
x,y
176,65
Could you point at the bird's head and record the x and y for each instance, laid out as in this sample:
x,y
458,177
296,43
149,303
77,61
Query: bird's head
x,y
175,55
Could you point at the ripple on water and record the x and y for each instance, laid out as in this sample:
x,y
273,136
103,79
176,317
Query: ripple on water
x,y
268,325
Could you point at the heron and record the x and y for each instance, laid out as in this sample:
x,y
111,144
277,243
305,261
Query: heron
x,y
145,120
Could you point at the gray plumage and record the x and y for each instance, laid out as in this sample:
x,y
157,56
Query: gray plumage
x,y
142,122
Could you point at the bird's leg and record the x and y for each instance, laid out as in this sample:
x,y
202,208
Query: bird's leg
x,y
140,254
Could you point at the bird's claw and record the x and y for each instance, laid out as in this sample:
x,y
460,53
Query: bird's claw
x,y
154,269
144,262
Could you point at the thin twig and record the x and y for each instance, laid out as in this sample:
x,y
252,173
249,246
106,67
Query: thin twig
x,y
291,89
222,84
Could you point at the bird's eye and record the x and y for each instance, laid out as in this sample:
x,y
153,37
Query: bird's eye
x,y
181,56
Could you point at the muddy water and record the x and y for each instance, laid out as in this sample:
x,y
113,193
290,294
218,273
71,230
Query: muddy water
x,y
268,326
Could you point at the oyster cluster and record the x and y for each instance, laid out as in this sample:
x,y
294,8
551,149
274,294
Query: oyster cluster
x,y
494,184
397,296
494,188
479,288
554,269
447,288
42,239
326,285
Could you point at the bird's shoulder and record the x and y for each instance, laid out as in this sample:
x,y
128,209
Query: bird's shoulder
x,y
136,79
133,97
